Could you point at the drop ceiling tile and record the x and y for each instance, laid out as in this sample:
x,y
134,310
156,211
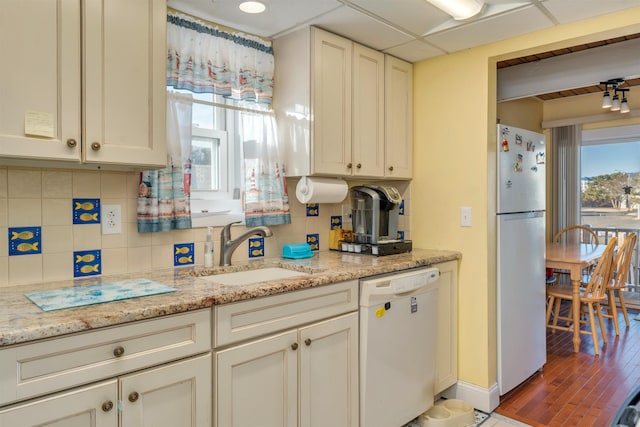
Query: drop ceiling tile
x,y
416,16
279,16
414,51
498,27
574,10
362,28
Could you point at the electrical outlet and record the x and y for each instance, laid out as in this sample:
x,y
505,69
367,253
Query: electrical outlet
x,y
111,218
346,213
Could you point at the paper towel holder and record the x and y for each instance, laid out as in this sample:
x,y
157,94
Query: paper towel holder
x,y
305,192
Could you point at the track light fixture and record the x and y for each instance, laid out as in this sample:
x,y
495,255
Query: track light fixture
x,y
615,104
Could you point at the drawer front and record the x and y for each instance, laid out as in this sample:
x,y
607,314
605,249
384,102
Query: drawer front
x,y
42,367
257,317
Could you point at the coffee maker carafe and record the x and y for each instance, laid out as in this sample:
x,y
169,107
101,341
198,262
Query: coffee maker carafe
x,y
374,212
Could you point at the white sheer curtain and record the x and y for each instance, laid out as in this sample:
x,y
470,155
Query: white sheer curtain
x,y
565,148
266,201
164,194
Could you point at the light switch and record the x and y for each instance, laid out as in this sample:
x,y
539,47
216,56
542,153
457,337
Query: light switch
x,y
465,217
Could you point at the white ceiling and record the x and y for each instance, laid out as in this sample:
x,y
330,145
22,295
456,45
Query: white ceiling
x,y
409,29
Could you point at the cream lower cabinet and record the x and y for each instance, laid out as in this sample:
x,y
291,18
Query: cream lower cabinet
x,y
177,394
447,333
288,360
84,83
303,377
156,372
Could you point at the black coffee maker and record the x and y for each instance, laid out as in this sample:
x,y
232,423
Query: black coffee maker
x,y
374,212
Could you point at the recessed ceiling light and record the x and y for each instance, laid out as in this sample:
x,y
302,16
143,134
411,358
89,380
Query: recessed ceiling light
x,y
252,7
459,9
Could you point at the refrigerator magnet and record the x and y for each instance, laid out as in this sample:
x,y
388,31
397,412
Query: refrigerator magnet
x,y
518,139
505,145
531,146
540,157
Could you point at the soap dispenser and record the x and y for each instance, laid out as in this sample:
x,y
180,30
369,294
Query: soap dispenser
x,y
208,249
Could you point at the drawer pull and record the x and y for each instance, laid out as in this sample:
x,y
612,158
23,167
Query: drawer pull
x,y
307,341
107,406
294,346
359,165
390,168
118,351
133,396
349,165
95,146
71,143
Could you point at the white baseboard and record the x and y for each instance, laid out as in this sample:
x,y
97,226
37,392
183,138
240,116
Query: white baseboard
x,y
480,398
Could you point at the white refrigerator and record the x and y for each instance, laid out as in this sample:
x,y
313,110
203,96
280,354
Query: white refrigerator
x,y
520,255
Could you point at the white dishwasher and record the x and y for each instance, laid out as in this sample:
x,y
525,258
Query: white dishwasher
x,y
398,314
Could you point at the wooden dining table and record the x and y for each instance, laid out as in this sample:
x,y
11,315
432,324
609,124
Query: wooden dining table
x,y
574,257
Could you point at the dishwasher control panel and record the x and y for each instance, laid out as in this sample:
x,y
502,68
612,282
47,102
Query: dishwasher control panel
x,y
396,284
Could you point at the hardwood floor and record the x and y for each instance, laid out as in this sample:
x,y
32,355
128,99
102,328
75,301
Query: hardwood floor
x,y
579,389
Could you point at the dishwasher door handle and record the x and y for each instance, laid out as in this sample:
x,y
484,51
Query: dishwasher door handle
x,y
400,284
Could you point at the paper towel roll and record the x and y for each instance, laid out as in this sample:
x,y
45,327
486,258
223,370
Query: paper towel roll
x,y
321,190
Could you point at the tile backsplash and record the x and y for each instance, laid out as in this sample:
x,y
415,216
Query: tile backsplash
x,y
51,218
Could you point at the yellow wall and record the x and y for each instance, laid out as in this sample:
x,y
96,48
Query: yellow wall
x,y
454,166
523,113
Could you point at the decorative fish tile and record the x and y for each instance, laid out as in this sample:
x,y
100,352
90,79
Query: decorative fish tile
x,y
78,296
401,209
183,254
87,263
86,211
400,235
25,240
256,247
336,222
313,209
314,241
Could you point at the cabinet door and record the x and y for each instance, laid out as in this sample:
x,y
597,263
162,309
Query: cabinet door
x,y
329,373
368,112
256,383
398,118
124,86
331,103
176,394
447,334
40,80
92,406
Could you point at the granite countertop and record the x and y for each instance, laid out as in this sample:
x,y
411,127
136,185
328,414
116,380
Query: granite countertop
x,y
22,321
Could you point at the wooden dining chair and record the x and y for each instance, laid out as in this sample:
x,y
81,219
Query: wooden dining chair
x,y
577,234
621,265
591,296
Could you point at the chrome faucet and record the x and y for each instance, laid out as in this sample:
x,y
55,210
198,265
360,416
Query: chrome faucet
x,y
227,246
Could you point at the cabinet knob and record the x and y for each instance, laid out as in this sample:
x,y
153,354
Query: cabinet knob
x,y
307,341
95,146
359,165
107,406
133,396
294,346
71,142
390,168
349,165
118,351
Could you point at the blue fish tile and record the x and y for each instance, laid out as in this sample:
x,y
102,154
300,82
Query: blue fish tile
x,y
25,240
256,247
87,263
183,254
86,211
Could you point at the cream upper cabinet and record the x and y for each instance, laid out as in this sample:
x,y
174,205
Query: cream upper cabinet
x,y
85,85
368,112
398,118
40,116
331,95
330,101
124,66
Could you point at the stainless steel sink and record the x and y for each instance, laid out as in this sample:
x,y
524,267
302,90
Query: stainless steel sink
x,y
254,276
